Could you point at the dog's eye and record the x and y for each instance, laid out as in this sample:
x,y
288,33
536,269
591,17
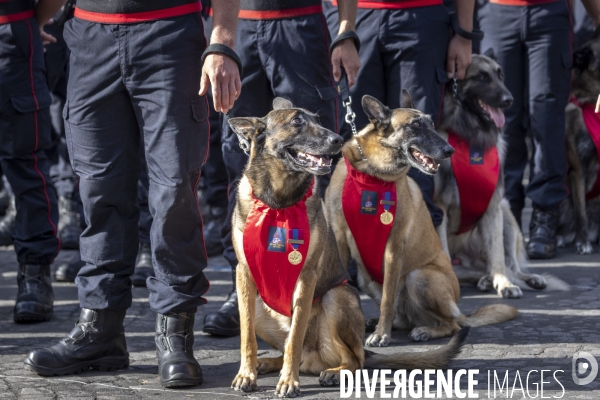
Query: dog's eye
x,y
482,77
416,124
297,121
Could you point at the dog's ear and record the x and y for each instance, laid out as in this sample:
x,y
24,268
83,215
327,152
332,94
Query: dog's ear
x,y
280,103
406,101
490,53
247,128
377,112
582,58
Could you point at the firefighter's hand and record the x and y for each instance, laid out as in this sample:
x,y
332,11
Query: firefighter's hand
x,y
345,55
222,73
459,57
46,37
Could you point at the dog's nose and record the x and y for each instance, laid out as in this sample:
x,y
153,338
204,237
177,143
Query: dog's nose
x,y
507,100
448,150
335,140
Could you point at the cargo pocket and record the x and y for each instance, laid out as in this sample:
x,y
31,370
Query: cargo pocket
x,y
327,93
30,124
199,134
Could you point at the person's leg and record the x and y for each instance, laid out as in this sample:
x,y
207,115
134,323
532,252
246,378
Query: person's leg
x,y
103,139
415,42
255,101
24,137
214,172
503,41
549,52
143,263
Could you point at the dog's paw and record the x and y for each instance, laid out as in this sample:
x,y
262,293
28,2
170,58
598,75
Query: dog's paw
x,y
537,282
419,335
266,365
378,340
329,377
244,381
485,284
287,387
584,248
511,292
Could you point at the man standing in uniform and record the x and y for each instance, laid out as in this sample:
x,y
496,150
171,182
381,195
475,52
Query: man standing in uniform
x,y
407,44
24,135
531,40
284,47
135,71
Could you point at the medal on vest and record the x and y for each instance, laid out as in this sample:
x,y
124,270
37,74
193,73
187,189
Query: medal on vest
x,y
386,217
295,257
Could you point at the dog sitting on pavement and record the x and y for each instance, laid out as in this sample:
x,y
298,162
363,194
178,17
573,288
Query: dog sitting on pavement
x,y
580,212
379,218
287,253
479,232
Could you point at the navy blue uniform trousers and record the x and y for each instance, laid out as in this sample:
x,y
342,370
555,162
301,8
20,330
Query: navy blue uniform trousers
x,y
24,135
533,46
286,58
127,84
401,49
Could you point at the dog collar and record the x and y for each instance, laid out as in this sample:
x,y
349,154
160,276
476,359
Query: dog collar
x,y
276,242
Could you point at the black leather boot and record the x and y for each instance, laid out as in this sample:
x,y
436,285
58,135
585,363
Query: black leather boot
x,y
8,224
96,342
69,228
143,266
67,272
35,297
226,321
174,348
542,234
212,231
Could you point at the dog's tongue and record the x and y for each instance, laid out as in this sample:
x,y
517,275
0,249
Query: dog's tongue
x,y
497,115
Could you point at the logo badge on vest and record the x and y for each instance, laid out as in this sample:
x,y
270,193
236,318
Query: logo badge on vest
x,y
368,202
277,237
295,257
475,155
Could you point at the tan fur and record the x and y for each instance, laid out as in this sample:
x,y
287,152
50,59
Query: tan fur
x,y
320,338
420,288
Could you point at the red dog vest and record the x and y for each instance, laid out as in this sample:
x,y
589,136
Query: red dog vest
x,y
369,205
592,122
275,245
476,174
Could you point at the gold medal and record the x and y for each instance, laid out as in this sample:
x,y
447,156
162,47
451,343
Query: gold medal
x,y
295,257
386,218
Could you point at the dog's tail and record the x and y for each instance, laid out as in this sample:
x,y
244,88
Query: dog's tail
x,y
432,359
487,315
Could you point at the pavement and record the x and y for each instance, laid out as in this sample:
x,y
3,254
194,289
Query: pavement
x,y
550,329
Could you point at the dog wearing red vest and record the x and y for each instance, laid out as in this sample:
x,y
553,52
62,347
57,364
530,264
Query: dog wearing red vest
x,y
479,232
288,256
580,212
384,225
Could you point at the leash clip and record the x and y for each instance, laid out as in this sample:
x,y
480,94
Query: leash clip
x,y
350,114
454,86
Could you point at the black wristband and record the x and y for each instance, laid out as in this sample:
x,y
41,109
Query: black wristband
x,y
228,51
476,35
343,36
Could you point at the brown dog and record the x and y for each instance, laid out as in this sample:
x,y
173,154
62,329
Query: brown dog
x,y
324,329
419,289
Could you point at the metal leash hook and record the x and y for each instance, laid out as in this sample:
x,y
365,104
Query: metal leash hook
x,y
454,86
350,115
